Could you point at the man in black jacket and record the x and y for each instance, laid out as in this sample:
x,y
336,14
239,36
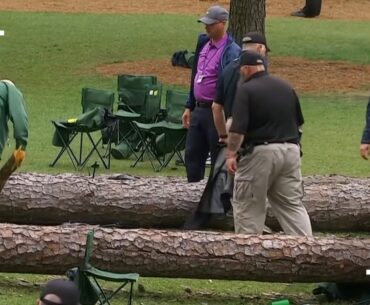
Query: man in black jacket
x,y
222,106
311,9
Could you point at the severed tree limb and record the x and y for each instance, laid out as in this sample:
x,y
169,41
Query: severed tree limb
x,y
186,254
334,203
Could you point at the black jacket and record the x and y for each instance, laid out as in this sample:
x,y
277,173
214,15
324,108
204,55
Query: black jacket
x,y
366,134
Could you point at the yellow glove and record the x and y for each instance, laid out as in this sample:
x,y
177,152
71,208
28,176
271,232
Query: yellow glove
x,y
11,165
19,155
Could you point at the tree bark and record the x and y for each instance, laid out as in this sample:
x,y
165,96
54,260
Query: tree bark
x,y
333,203
246,16
187,254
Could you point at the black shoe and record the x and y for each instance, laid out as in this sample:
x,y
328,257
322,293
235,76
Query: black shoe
x,y
299,13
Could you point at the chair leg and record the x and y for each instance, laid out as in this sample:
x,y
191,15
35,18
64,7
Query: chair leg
x,y
105,299
166,161
81,140
107,152
62,150
152,157
149,152
125,137
138,158
179,154
96,149
109,148
175,151
138,147
130,293
145,150
66,148
178,149
102,296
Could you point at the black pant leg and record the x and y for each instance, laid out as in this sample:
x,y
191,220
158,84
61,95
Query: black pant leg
x,y
312,8
212,136
196,147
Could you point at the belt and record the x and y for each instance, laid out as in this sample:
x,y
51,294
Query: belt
x,y
273,142
204,104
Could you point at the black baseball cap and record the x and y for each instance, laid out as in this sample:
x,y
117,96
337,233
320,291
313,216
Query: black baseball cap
x,y
215,14
65,290
255,37
249,58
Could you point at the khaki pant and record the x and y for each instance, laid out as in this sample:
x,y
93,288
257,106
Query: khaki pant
x,y
271,171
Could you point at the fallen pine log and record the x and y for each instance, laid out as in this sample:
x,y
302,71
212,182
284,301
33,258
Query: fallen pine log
x,y
186,254
334,203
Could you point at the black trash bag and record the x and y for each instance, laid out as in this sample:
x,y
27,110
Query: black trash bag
x,y
216,198
183,59
359,292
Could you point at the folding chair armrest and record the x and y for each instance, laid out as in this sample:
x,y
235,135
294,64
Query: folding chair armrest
x,y
122,114
112,276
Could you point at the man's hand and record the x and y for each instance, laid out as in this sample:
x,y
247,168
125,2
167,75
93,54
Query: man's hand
x,y
231,164
233,145
364,151
186,118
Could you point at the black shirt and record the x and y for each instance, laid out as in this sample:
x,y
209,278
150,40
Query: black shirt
x,y
266,109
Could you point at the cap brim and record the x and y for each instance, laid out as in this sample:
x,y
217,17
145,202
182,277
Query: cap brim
x,y
207,20
247,40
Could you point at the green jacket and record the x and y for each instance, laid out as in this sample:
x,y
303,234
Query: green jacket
x,y
12,107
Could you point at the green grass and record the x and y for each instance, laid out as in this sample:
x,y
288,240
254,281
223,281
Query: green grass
x,y
24,289
52,56
320,39
332,134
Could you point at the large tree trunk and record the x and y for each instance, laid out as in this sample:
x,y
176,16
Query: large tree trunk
x,y
246,16
333,203
187,254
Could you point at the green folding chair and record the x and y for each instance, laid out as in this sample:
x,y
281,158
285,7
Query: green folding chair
x,y
95,291
132,91
97,107
139,99
164,139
